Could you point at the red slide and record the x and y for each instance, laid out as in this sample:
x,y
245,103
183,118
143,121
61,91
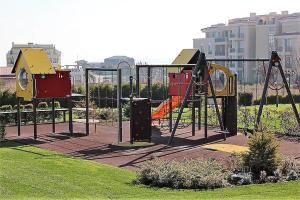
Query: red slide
x,y
163,109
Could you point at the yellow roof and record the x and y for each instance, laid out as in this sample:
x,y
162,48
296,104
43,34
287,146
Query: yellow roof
x,y
185,56
37,61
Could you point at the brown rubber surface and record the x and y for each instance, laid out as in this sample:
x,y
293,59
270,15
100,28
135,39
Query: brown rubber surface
x,y
99,146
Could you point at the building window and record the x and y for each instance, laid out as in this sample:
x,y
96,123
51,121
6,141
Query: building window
x,y
209,49
288,44
288,62
271,41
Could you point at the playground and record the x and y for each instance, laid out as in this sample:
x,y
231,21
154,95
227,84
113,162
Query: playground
x,y
195,116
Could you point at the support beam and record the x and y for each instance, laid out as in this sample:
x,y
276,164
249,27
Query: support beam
x,y
137,84
70,115
87,122
199,113
205,113
53,115
131,108
34,118
119,102
170,114
149,82
193,111
18,116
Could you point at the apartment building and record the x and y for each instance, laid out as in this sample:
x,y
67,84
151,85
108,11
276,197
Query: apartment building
x,y
254,37
53,53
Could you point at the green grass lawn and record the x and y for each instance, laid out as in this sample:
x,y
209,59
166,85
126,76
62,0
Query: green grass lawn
x,y
28,172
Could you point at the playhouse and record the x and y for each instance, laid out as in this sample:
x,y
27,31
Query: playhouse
x,y
37,78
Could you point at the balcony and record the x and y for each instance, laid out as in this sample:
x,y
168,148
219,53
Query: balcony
x,y
237,36
279,49
240,50
288,48
220,39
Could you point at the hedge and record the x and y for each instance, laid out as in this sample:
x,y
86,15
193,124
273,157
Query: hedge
x,y
282,99
245,99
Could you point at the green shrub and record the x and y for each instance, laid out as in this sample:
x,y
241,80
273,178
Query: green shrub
x,y
282,99
245,99
196,174
6,108
263,153
106,114
126,110
2,130
235,163
7,97
28,106
56,104
43,105
22,107
289,164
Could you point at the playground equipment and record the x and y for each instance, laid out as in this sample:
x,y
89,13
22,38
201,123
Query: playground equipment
x,y
191,81
191,84
36,78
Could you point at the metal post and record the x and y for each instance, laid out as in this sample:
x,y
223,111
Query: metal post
x,y
34,118
18,116
199,113
137,75
149,82
170,114
53,116
87,125
263,98
70,115
193,111
131,108
205,113
119,102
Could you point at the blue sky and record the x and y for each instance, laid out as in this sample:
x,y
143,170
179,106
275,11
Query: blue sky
x,y
153,31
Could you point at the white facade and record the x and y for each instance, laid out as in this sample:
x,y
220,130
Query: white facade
x,y
253,37
53,54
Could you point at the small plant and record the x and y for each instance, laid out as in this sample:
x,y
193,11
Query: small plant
x,y
43,105
2,130
6,108
22,107
289,164
240,178
263,153
126,110
235,163
245,99
56,104
28,106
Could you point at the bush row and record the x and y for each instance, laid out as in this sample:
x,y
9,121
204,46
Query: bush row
x,y
246,99
43,105
260,164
